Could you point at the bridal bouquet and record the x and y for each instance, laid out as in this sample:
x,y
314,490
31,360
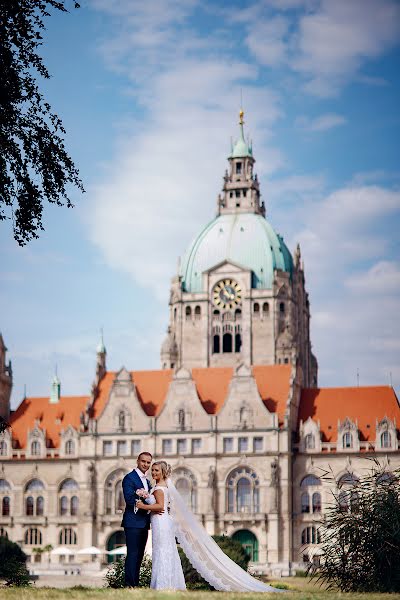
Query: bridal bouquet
x,y
144,496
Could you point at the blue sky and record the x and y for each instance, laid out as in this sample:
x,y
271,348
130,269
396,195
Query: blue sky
x,y
149,93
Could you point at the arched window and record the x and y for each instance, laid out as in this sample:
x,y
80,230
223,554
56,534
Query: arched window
x,y
186,484
238,342
385,478
5,506
386,439
33,537
310,535
316,502
282,308
174,314
309,480
3,448
39,506
256,308
67,537
227,343
309,441
3,533
243,492
265,309
305,502
35,448
348,479
216,344
29,506
197,312
119,497
216,313
347,440
114,502
188,312
63,503
348,497
67,490
238,314
249,543
74,506
69,447
5,490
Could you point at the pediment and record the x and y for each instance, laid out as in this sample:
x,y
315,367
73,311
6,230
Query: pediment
x,y
123,376
227,266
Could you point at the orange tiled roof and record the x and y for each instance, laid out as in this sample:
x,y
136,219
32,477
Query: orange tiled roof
x,y
364,404
212,386
273,384
53,418
151,388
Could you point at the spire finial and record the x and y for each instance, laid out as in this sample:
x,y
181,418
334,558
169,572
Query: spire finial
x,y
241,115
101,349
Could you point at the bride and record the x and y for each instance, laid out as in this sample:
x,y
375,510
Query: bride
x,y
202,551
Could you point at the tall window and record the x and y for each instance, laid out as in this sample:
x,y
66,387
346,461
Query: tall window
x,y
348,496
69,447
265,309
310,497
3,448
188,313
5,491
182,445
282,308
5,506
238,342
34,502
33,537
122,447
258,444
256,308
181,419
107,448
67,497
227,343
310,535
35,448
386,440
309,441
121,420
242,491
238,168
197,312
243,444
186,485
196,445
114,502
347,440
216,344
67,537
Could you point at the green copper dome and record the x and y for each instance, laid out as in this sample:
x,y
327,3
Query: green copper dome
x,y
246,239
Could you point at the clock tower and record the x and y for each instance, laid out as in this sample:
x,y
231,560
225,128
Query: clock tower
x,y
239,295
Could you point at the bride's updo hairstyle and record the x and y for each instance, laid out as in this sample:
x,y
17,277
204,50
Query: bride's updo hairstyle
x,y
165,468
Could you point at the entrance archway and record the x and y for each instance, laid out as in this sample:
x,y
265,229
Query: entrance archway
x,y
249,543
116,540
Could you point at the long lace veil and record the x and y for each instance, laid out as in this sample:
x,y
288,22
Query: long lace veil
x,y
204,553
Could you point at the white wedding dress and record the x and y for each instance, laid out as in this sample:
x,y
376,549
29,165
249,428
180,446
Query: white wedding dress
x,y
166,571
202,551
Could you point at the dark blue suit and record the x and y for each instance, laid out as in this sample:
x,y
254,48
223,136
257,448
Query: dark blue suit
x,y
136,527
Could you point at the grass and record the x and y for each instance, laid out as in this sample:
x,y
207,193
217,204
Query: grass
x,y
300,589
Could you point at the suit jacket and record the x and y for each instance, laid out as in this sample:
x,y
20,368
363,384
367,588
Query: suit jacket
x,y
141,519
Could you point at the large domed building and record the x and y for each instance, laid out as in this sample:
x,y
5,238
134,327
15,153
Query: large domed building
x,y
235,408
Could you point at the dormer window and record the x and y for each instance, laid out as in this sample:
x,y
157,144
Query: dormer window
x,y
35,448
238,168
347,440
386,440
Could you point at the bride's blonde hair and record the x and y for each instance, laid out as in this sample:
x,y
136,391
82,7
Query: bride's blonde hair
x,y
165,468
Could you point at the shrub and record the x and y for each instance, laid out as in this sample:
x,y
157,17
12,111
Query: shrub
x,y
115,576
15,574
361,536
230,547
12,564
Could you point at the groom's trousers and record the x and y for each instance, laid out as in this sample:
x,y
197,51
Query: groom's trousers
x,y
136,539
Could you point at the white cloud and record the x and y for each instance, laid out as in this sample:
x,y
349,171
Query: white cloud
x,y
382,278
267,40
321,123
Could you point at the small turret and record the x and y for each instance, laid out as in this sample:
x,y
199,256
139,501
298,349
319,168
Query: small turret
x,y
101,355
55,393
169,351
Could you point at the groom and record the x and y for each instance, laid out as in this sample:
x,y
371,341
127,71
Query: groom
x,y
135,523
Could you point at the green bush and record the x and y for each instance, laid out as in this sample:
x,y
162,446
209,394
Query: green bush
x,y
12,564
361,536
115,576
230,547
15,574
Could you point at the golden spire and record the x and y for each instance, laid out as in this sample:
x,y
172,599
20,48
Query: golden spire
x,y
241,115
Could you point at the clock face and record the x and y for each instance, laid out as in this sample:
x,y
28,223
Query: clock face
x,y
227,294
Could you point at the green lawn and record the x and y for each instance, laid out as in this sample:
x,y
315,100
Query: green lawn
x,y
301,588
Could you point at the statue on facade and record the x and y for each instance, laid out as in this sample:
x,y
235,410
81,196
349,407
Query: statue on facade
x,y
274,473
211,478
